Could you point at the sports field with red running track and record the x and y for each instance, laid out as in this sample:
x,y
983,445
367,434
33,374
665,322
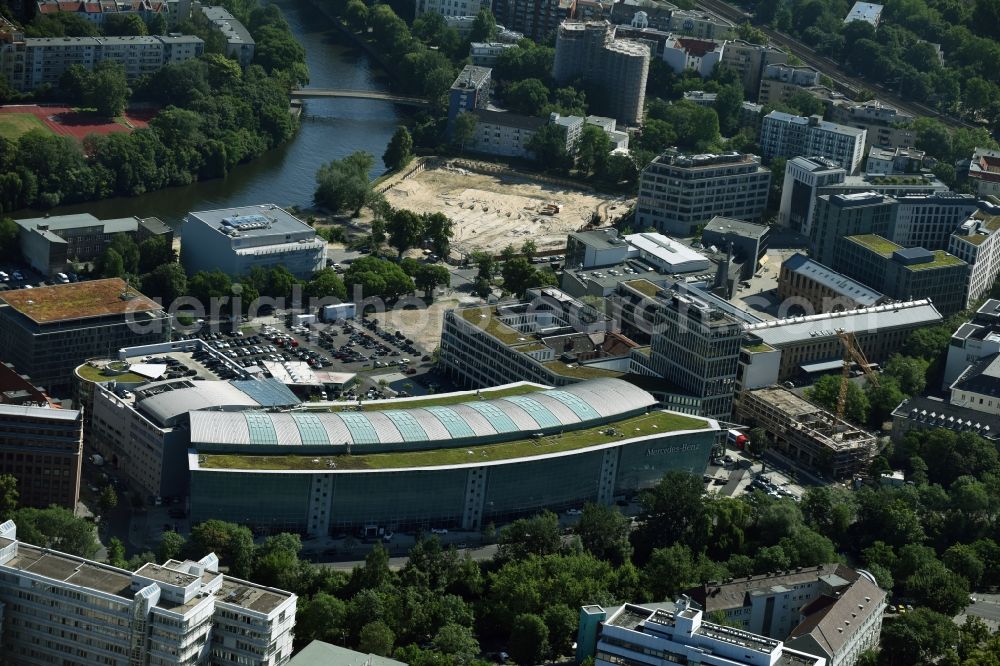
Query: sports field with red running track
x,y
78,124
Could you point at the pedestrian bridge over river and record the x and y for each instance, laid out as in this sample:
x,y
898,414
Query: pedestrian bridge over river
x,y
305,93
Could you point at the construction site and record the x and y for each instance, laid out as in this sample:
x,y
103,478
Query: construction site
x,y
493,210
810,435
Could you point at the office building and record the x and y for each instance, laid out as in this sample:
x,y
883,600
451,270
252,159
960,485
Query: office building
x,y
904,273
234,240
780,82
815,288
799,346
177,612
868,12
893,186
54,244
142,429
675,633
486,54
450,7
615,69
784,605
420,462
470,91
47,331
535,19
921,414
973,340
595,249
696,348
679,192
30,62
842,627
839,215
807,434
888,127
318,653
750,61
785,135
888,162
977,242
746,241
42,446
978,387
697,55
701,24
803,178
929,220
984,172
239,43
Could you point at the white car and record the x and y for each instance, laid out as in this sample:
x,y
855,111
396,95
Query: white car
x,y
574,512
438,530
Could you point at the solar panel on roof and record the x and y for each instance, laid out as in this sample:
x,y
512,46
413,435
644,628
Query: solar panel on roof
x,y
500,421
536,410
408,426
579,406
362,431
456,426
311,429
261,429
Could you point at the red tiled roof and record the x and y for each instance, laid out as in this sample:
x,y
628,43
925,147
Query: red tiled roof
x,y
696,47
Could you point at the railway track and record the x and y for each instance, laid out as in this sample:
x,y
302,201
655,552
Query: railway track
x,y
849,85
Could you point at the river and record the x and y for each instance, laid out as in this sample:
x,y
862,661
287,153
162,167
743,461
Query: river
x,y
330,129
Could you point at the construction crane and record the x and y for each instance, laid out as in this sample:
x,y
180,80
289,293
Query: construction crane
x,y
852,353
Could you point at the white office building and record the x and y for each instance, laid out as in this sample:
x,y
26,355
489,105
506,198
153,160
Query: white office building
x,y
868,12
785,135
973,340
803,178
62,609
655,634
977,243
234,240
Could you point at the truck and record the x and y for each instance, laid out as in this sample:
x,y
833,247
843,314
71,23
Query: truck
x,y
736,439
300,319
339,311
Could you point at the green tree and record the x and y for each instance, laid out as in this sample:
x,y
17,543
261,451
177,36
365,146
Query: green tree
x,y
232,543
170,546
463,129
376,638
671,512
399,152
405,228
669,571
8,496
154,252
562,624
356,15
124,25
883,399
548,147
109,91
75,84
116,553
108,499
758,441
343,184
919,637
592,150
457,642
110,264
166,281
538,535
519,275
529,640
528,97
322,618
56,528
728,105
439,230
377,277
604,533
429,276
326,284
826,392
205,286
484,28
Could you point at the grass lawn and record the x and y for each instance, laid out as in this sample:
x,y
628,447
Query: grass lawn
x,y
646,424
13,125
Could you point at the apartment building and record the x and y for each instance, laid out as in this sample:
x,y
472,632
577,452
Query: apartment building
x,y
978,386
30,62
174,613
451,7
535,19
486,54
696,348
43,447
782,605
839,215
675,633
785,135
46,332
781,81
887,162
905,273
807,434
470,91
973,340
816,288
887,126
984,172
804,176
234,240
616,67
689,54
977,242
679,192
240,44
750,61
53,244
98,12
868,12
